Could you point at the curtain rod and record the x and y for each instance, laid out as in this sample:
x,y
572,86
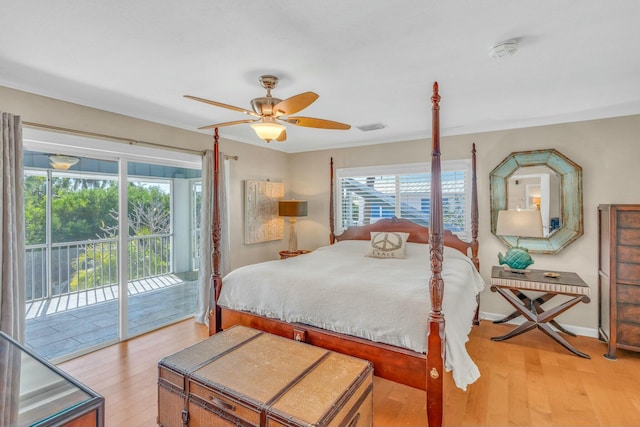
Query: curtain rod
x,y
110,137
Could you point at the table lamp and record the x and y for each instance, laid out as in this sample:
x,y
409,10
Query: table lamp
x,y
518,223
292,209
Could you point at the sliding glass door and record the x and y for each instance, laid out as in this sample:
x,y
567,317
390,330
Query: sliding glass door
x,y
71,255
109,250
162,280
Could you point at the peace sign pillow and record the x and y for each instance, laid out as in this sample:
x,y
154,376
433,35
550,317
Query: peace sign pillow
x,y
388,244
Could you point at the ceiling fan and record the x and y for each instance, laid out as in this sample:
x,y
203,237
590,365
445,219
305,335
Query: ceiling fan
x,y
269,111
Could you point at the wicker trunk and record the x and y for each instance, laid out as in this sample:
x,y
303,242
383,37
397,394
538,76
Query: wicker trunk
x,y
246,377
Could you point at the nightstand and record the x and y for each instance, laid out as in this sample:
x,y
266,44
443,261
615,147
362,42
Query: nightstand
x,y
287,254
512,285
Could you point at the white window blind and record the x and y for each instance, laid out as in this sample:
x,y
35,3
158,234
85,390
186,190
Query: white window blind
x,y
368,194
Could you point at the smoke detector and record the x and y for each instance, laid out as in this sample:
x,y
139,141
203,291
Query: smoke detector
x,y
505,48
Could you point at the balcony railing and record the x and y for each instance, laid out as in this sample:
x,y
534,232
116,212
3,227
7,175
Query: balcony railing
x,y
72,267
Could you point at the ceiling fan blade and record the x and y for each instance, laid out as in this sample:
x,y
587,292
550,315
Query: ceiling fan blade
x,y
220,104
283,136
294,104
311,122
219,125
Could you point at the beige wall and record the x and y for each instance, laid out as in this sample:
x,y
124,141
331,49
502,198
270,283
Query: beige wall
x,y
608,151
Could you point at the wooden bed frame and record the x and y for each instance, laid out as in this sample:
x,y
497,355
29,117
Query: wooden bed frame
x,y
390,362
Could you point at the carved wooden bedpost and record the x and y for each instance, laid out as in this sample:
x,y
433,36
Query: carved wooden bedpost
x,y
474,225
435,334
215,313
332,230
474,210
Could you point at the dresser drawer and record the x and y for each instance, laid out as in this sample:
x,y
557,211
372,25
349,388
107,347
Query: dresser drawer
x,y
628,219
629,254
629,236
628,273
629,334
629,294
629,313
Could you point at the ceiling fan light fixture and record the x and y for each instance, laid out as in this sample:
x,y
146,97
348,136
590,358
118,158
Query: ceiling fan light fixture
x,y
268,109
60,162
268,130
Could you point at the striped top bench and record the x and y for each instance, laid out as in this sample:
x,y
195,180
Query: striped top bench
x,y
565,283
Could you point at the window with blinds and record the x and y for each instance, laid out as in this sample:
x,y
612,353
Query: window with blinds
x,y
368,194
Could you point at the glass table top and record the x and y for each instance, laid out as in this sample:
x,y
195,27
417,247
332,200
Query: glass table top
x,y
33,392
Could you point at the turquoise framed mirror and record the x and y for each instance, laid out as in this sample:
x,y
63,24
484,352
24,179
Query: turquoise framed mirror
x,y
545,180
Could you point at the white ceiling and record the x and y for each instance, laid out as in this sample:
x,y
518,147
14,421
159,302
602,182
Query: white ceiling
x,y
369,60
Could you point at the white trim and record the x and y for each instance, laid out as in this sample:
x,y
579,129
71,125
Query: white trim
x,y
123,252
75,145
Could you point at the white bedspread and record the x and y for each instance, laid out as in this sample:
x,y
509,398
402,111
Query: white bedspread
x,y
385,300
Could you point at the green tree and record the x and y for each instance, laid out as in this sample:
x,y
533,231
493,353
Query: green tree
x,y
80,208
35,209
87,209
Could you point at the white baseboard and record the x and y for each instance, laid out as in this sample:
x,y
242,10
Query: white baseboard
x,y
578,330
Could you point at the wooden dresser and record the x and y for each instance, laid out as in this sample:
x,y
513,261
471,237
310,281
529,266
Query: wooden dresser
x,y
619,277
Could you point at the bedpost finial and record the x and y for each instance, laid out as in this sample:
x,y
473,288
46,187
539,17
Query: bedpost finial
x,y
473,148
435,98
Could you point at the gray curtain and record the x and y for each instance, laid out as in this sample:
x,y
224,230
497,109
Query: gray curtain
x,y
12,304
204,297
10,369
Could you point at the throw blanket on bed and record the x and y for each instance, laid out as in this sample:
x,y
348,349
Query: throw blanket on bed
x,y
338,288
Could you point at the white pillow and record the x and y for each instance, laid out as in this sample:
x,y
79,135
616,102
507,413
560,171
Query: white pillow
x,y
388,244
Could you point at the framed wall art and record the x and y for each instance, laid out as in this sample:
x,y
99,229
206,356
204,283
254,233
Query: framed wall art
x,y
262,223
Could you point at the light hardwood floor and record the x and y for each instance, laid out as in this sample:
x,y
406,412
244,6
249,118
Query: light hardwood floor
x,y
526,381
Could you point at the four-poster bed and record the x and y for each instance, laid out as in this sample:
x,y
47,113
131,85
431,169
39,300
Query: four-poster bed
x,y
420,367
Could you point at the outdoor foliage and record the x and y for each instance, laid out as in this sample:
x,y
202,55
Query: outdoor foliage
x,y
86,209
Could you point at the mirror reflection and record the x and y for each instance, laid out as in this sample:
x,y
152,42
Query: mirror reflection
x,y
537,188
547,186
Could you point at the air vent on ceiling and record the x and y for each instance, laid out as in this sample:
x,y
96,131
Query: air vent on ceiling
x,y
372,126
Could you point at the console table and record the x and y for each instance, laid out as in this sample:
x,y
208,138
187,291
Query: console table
x,y
512,286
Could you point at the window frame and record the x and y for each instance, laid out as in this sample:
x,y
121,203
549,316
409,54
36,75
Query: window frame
x,y
464,165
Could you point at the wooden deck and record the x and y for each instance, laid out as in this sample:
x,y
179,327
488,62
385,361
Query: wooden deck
x,y
65,326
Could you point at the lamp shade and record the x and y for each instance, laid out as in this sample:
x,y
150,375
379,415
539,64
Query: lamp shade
x,y
292,208
520,223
